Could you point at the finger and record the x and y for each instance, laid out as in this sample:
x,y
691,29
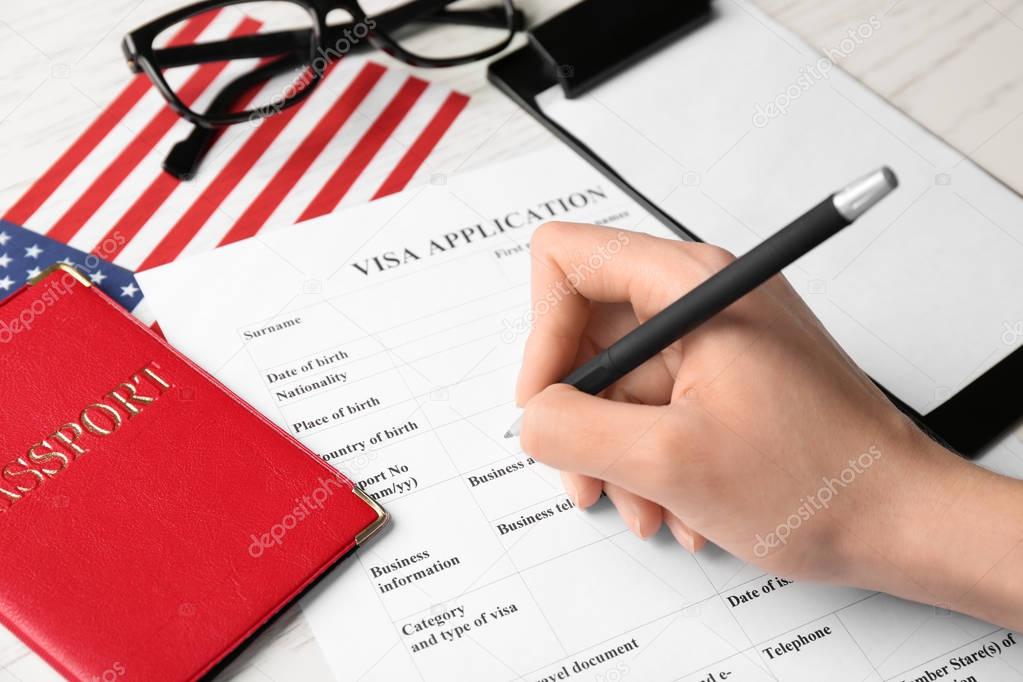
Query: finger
x,y
622,443
574,264
642,516
583,490
685,535
546,360
572,261
650,383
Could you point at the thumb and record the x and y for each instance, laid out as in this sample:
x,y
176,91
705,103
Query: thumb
x,y
638,447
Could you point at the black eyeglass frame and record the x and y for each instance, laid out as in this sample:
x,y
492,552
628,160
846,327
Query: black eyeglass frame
x,y
143,57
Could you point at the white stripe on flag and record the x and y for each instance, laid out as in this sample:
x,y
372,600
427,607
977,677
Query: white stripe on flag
x,y
148,107
304,121
83,175
396,146
149,169
339,147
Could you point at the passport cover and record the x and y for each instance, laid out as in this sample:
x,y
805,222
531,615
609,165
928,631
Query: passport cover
x,y
151,521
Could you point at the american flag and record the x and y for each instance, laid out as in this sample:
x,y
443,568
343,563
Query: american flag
x,y
25,254
363,134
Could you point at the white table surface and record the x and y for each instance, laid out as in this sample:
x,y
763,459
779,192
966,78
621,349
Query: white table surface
x,y
954,65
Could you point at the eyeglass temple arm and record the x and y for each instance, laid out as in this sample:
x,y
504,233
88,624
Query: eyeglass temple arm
x,y
184,158
242,47
279,42
493,17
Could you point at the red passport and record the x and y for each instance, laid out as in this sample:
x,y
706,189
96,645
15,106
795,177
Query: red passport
x,y
151,521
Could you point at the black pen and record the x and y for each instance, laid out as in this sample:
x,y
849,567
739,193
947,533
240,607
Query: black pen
x,y
727,286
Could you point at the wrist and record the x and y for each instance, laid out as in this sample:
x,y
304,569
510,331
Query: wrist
x,y
880,540
950,536
915,560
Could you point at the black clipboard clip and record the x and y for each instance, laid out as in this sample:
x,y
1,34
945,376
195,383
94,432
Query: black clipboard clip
x,y
593,40
586,45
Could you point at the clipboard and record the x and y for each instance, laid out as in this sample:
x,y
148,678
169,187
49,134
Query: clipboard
x,y
967,422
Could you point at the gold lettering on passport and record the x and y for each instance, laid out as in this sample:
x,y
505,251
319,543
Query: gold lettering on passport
x,y
99,419
69,441
89,420
126,401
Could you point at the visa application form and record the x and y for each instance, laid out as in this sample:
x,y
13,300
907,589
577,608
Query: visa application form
x,y
387,338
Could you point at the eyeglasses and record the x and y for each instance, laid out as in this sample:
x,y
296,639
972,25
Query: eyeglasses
x,y
291,43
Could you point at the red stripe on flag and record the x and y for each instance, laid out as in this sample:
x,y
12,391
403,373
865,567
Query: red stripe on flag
x,y
136,216
49,181
424,144
372,140
119,169
285,179
178,237
159,190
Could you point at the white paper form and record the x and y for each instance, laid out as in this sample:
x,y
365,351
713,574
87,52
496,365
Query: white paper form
x,y
388,341
739,126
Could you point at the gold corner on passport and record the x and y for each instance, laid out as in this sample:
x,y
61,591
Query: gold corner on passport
x,y
370,531
69,269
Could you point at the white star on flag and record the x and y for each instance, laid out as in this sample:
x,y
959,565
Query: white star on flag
x,y
30,255
6,283
4,238
129,291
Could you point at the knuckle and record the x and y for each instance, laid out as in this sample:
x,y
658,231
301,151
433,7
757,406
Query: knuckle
x,y
664,439
547,236
715,257
670,451
534,421
529,437
704,259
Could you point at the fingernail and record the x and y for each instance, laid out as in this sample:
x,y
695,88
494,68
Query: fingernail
x,y
573,494
636,525
684,536
699,544
519,402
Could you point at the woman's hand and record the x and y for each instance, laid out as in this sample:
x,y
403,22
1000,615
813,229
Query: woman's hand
x,y
755,431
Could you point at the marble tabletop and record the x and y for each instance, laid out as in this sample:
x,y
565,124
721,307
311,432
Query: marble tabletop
x,y
956,66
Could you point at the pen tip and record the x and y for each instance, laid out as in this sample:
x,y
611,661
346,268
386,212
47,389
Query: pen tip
x,y
515,429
